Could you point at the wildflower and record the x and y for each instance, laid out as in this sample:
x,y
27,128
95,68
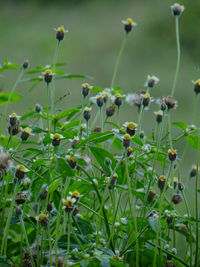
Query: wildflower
x,y
118,100
72,162
76,195
130,128
170,102
38,108
172,154
87,113
175,180
14,130
193,171
5,162
177,9
161,182
159,115
56,139
25,64
43,219
117,224
68,204
176,198
75,141
48,75
14,119
128,24
117,258
146,100
129,151
126,140
151,81
110,111
197,86
86,89
26,133
20,171
136,98
60,33
20,198
123,220
100,101
151,196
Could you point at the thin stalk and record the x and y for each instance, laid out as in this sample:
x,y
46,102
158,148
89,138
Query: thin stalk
x,y
50,245
118,60
101,119
5,236
196,209
169,130
68,233
47,99
194,109
26,239
140,119
9,98
132,209
178,56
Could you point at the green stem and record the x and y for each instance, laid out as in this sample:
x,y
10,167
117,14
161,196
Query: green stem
x,y
118,60
50,245
27,242
132,209
9,98
68,233
169,130
196,208
194,109
178,56
47,99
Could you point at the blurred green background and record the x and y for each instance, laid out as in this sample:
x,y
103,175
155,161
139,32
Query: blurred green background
x,y
92,45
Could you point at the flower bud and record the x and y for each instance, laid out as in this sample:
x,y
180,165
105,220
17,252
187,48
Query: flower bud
x,y
159,116
43,219
87,113
49,207
110,111
14,119
169,264
118,100
72,162
107,161
68,204
177,9
86,89
25,64
20,172
197,86
48,75
151,81
129,151
100,101
172,154
38,108
43,194
151,196
176,198
75,141
175,180
14,130
146,100
26,133
130,128
161,182
128,24
141,134
113,180
60,33
180,186
56,139
18,211
20,198
193,171
126,140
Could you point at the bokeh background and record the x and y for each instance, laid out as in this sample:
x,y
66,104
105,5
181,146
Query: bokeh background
x,y
91,47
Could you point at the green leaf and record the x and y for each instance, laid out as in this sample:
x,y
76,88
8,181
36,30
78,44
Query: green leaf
x,y
137,140
97,138
116,263
70,76
193,141
100,154
4,97
153,221
66,113
54,185
180,124
63,168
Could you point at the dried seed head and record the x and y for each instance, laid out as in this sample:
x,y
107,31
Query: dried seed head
x,y
176,198
86,89
60,33
110,111
172,154
151,196
128,24
197,86
20,198
43,219
87,113
136,98
25,64
131,128
161,182
5,162
177,9
159,116
97,129
126,140
14,130
170,102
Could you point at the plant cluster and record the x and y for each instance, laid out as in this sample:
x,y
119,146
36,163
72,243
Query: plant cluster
x,y
81,188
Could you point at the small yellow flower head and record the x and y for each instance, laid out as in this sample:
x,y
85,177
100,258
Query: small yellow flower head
x,y
129,151
86,89
197,86
48,74
71,162
106,180
161,182
172,154
60,33
146,99
26,133
118,100
151,81
151,196
105,95
177,9
27,130
22,168
128,24
100,100
76,194
117,258
68,204
56,139
43,219
14,119
159,115
126,140
130,128
175,181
